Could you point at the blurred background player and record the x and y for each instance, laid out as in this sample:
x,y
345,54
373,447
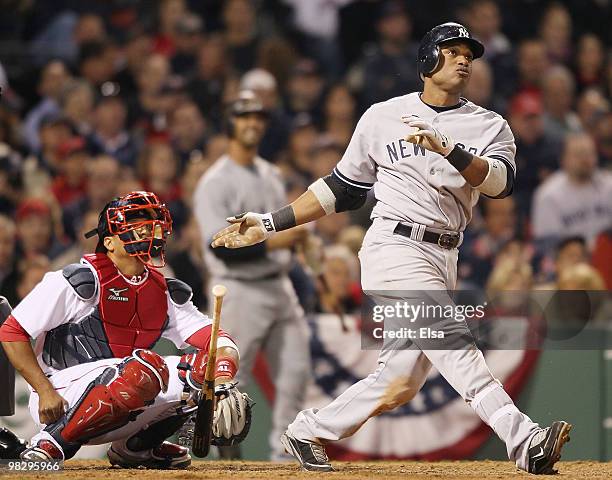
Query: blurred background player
x,y
256,277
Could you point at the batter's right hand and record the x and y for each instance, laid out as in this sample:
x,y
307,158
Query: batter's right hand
x,y
51,406
245,230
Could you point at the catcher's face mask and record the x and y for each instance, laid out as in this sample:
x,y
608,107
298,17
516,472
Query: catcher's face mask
x,y
142,223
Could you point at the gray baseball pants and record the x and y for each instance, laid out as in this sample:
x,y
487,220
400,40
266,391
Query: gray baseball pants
x,y
395,268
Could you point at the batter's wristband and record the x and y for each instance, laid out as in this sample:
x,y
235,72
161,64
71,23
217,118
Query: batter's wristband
x,y
459,158
226,367
283,218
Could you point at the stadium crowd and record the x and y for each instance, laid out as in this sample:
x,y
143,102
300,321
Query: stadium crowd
x,y
104,97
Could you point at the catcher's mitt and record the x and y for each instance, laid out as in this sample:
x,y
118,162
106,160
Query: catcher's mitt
x,y
232,420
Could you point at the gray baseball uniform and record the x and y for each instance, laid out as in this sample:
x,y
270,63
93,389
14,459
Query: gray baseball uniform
x,y
261,309
419,188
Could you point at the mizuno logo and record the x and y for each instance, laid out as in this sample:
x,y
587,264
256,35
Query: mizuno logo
x,y
116,295
117,291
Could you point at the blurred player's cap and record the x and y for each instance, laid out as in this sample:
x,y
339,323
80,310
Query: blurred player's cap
x,y
305,67
32,206
189,24
247,102
258,79
71,146
526,103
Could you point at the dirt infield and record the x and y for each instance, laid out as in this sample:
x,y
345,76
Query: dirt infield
x,y
99,469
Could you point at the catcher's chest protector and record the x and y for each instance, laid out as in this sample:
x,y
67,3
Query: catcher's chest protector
x,y
127,317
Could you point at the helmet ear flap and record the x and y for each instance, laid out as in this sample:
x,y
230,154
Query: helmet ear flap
x,y
428,60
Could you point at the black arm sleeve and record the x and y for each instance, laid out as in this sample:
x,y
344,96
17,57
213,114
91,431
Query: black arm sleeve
x,y
348,197
229,255
506,192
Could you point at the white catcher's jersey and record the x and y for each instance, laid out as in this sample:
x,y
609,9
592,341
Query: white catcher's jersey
x,y
412,184
54,302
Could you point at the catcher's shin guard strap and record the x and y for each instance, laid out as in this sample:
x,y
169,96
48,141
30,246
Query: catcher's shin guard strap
x,y
111,400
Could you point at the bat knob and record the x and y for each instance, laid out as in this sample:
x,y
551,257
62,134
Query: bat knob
x,y
219,290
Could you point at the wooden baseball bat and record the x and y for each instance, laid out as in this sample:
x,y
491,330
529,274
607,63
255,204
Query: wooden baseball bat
x,y
202,433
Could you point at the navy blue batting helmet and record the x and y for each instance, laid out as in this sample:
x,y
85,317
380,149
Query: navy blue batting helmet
x,y
429,50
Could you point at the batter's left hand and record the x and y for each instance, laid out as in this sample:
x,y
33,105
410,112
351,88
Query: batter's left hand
x,y
429,136
245,230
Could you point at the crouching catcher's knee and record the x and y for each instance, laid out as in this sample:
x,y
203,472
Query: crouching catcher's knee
x,y
112,400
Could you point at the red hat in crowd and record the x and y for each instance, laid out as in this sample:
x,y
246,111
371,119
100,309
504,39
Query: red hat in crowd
x,y
70,146
526,103
32,206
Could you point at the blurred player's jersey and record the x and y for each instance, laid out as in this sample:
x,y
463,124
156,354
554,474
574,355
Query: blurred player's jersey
x,y
226,189
412,184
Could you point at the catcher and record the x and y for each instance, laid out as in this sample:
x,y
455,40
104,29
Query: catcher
x,y
93,378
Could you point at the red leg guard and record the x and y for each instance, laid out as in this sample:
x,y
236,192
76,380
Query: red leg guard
x,y
143,378
114,397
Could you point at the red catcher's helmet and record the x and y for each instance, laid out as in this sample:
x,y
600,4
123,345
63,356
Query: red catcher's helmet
x,y
142,223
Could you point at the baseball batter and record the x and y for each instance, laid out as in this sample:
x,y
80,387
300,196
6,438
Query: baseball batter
x,y
428,156
93,378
